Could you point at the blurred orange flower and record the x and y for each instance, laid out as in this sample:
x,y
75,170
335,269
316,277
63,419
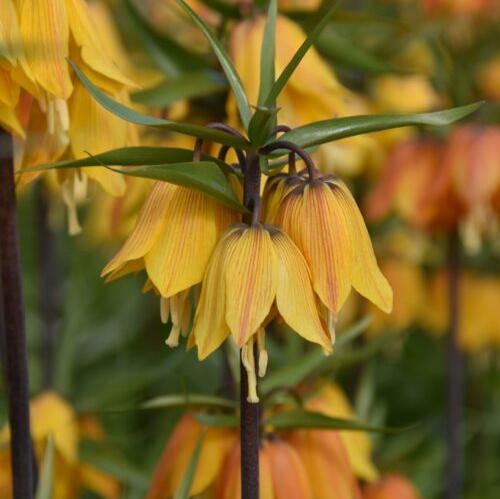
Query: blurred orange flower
x,y
392,486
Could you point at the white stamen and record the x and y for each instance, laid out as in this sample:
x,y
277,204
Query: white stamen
x,y
164,310
248,360
173,338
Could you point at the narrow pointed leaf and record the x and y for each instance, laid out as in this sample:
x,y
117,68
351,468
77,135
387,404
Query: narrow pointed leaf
x,y
227,65
261,125
168,55
221,420
46,483
187,480
268,55
203,176
339,128
339,48
129,114
127,156
186,86
301,419
188,400
324,18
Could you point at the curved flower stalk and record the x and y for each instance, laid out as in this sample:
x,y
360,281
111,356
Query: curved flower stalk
x,y
52,415
51,113
391,485
322,218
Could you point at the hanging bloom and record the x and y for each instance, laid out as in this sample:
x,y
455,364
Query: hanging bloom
x,y
50,112
239,303
51,415
332,401
312,94
177,453
173,238
322,218
391,486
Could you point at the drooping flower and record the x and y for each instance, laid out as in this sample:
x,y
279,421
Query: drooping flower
x,y
391,486
173,238
322,218
50,112
332,401
255,272
52,415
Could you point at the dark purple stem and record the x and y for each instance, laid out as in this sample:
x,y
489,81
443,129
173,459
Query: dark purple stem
x,y
249,412
454,379
14,341
290,146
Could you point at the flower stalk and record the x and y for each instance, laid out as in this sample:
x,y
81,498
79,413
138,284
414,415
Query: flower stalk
x,y
454,378
249,411
14,341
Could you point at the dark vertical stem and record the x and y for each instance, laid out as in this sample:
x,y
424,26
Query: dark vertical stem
x,y
16,361
47,285
454,379
249,412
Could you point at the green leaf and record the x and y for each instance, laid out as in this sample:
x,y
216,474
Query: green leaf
x,y
311,362
221,420
127,156
227,65
203,176
128,114
268,56
339,48
171,57
323,19
46,483
339,128
261,125
186,86
187,480
188,400
298,419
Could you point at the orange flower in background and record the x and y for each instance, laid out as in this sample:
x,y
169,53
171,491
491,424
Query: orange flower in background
x,y
461,7
178,451
488,78
392,486
322,218
52,415
332,401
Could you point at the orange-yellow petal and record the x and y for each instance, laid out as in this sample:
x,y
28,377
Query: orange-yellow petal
x,y
250,282
45,33
294,293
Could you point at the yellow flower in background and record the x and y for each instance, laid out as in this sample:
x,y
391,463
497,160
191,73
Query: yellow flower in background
x,y
173,238
299,4
392,486
478,301
488,78
175,458
408,285
322,218
51,415
332,401
252,269
54,117
312,94
404,94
